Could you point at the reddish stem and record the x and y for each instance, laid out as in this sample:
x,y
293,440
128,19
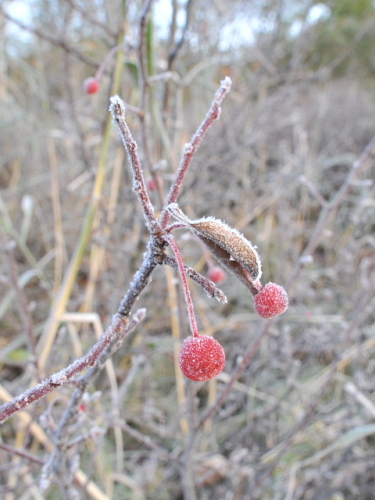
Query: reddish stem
x,y
117,108
185,285
107,58
191,147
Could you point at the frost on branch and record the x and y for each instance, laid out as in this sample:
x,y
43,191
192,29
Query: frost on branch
x,y
117,108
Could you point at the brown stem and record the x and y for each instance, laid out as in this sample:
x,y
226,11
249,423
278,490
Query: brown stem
x,y
21,453
206,284
143,80
49,38
185,286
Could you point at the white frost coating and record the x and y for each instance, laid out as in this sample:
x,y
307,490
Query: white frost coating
x,y
306,259
57,378
220,297
271,301
44,482
43,420
116,101
226,83
140,314
97,431
188,148
201,358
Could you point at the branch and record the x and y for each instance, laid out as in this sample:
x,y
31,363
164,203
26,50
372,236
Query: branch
x,y
22,301
49,38
173,53
143,63
185,286
116,332
117,108
212,290
191,147
329,208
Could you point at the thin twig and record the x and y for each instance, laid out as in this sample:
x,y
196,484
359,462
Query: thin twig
x,y
212,290
55,461
119,328
191,147
173,53
185,286
328,209
146,440
21,453
143,80
22,301
49,38
86,14
117,109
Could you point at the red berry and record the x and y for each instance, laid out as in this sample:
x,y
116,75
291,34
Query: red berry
x,y
271,301
91,85
201,358
151,184
216,274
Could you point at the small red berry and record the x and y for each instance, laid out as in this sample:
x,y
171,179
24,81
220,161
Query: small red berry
x,y
91,85
201,358
271,301
151,184
216,274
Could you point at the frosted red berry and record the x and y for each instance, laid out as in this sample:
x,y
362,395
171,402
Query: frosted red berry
x,y
271,301
201,358
216,274
91,85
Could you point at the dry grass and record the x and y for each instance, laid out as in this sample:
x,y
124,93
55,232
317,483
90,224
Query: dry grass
x,y
298,424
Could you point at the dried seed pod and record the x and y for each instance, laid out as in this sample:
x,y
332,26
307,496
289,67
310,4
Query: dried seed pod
x,y
226,237
231,265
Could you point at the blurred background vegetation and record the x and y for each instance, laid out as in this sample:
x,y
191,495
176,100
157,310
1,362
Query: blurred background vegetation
x,y
301,110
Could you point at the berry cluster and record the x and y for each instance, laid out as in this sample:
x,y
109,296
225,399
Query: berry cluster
x,y
202,357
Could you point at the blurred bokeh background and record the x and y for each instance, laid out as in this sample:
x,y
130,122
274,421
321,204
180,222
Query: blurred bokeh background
x,y
301,111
